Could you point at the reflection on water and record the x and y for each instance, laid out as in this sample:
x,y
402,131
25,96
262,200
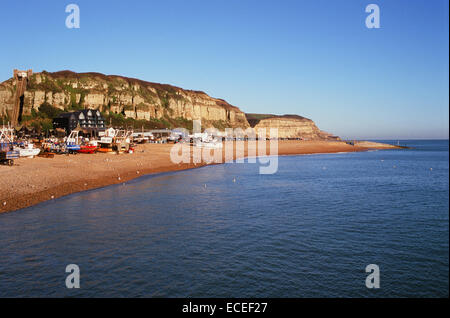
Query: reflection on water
x,y
307,231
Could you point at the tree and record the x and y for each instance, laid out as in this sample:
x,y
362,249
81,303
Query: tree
x,y
49,111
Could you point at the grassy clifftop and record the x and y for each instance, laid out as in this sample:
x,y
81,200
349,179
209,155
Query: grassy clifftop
x,y
254,119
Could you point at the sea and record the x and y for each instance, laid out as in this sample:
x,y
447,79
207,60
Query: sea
x,y
315,228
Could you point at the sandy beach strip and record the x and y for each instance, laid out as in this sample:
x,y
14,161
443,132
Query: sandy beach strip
x,y
31,181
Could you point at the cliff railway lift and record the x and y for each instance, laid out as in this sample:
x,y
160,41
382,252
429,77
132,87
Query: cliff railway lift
x,y
21,80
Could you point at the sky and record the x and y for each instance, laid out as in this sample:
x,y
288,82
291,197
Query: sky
x,y
313,58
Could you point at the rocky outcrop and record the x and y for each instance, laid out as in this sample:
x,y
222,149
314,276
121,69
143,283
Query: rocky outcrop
x,y
289,126
133,98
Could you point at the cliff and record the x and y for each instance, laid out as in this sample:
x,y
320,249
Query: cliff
x,y
131,97
289,126
137,99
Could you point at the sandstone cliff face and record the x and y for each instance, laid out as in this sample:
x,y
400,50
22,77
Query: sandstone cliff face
x,y
138,99
6,98
289,126
132,97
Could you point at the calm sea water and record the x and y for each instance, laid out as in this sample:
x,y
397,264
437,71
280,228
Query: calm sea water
x,y
307,231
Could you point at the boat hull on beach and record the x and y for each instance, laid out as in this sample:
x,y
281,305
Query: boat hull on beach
x,y
104,149
89,149
73,147
28,152
7,156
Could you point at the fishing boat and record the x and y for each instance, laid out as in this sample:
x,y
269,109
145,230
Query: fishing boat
x,y
7,134
27,150
23,148
140,137
115,140
7,154
106,141
104,148
122,141
53,145
73,148
87,149
205,140
7,157
73,142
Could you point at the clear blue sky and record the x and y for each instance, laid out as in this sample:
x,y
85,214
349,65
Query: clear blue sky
x,y
312,58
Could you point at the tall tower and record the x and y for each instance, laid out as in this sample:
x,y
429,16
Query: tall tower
x,y
21,80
